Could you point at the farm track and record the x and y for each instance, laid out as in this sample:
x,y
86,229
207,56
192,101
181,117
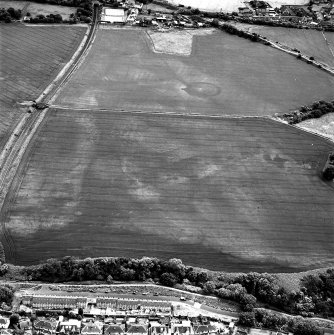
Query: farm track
x,y
18,143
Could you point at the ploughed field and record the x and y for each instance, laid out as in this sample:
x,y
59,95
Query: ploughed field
x,y
30,58
310,42
223,75
230,194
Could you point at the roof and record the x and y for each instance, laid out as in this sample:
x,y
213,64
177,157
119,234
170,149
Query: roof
x,y
159,329
71,322
135,329
181,329
114,11
114,329
45,324
204,329
91,328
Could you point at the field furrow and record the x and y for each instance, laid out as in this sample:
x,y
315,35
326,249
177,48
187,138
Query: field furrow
x,y
234,194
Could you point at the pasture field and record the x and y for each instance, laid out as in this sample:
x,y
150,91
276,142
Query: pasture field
x,y
223,75
310,42
37,8
14,4
45,9
229,194
30,58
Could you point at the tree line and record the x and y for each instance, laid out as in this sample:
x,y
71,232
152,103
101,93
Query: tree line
x,y
9,14
262,318
313,111
316,296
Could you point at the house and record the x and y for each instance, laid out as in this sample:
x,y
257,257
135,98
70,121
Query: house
x,y
127,305
245,11
158,306
4,323
114,330
205,329
114,15
60,302
183,328
91,328
70,326
46,326
25,323
137,329
158,329
106,303
26,300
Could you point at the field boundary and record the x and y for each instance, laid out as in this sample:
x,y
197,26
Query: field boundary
x,y
195,115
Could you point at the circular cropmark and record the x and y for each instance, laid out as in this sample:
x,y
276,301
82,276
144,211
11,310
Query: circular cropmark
x,y
201,89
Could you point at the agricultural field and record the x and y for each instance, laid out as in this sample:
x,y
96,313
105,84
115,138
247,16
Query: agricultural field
x,y
233,194
310,42
37,8
30,58
123,72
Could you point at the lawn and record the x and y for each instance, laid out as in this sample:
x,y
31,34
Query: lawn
x,y
30,58
310,42
223,75
227,194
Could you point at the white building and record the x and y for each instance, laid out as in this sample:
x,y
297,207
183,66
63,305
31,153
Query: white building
x,y
114,15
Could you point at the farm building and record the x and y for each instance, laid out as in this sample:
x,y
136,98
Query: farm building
x,y
114,15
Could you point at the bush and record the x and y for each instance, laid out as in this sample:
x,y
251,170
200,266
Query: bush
x,y
168,279
6,295
328,173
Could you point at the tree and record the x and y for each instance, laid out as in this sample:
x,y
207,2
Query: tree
x,y
247,301
14,321
303,327
168,279
247,319
209,287
6,295
328,173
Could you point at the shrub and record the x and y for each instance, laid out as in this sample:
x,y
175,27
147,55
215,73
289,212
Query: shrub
x,y
328,173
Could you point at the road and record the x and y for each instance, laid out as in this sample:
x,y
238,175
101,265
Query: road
x,y
14,150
